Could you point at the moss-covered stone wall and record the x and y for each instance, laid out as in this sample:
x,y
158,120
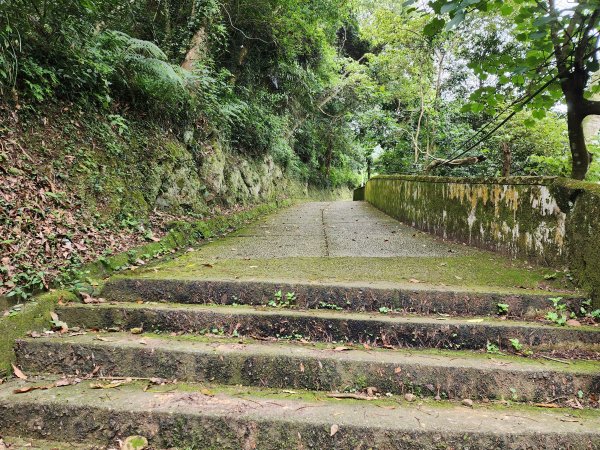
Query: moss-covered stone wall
x,y
549,220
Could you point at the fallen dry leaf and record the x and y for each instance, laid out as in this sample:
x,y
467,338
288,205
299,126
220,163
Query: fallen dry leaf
x,y
111,385
414,280
467,402
546,405
89,300
334,429
574,403
410,397
60,383
64,382
371,391
24,389
18,373
59,325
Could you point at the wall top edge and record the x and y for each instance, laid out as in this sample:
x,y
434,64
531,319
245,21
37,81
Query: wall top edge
x,y
564,183
471,180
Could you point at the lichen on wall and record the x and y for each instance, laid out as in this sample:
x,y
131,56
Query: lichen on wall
x,y
582,225
521,218
548,220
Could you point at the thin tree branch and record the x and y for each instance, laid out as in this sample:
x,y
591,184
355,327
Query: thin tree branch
x,y
242,31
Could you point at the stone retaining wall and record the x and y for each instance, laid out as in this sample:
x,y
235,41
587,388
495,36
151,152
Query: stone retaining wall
x,y
553,221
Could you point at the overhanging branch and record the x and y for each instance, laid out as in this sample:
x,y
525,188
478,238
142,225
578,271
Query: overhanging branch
x,y
455,163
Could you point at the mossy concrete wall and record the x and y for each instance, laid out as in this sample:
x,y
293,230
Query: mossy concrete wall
x,y
359,194
548,220
582,202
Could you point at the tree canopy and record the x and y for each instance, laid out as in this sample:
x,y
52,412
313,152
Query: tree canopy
x,y
556,48
442,87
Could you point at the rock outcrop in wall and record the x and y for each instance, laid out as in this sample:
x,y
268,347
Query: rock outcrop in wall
x,y
550,220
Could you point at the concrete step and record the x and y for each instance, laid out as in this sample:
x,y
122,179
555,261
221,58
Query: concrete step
x,y
17,443
448,374
196,416
377,330
348,296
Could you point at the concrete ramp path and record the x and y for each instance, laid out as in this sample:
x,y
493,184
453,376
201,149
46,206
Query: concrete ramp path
x,y
334,229
352,243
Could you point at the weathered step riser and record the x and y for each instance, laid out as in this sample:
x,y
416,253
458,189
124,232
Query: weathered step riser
x,y
233,431
15,443
318,296
306,372
329,327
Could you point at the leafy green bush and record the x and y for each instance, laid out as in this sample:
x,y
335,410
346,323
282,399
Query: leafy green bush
x,y
262,74
142,74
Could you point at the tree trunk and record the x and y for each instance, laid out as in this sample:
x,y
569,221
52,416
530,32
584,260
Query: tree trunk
x,y
573,87
581,157
197,50
328,161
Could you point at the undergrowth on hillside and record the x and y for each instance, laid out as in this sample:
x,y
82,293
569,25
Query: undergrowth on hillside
x,y
70,196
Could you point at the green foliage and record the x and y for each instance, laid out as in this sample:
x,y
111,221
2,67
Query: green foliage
x,y
516,344
331,306
282,301
142,75
261,68
546,56
433,87
502,308
560,314
492,348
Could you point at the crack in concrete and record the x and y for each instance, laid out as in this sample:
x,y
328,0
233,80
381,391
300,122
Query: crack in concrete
x,y
324,225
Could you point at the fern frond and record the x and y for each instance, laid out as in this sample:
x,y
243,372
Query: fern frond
x,y
139,47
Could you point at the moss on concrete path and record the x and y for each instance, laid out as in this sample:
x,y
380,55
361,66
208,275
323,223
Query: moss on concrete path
x,y
33,316
351,242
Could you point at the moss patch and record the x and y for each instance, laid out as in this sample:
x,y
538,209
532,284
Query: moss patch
x,y
33,316
40,444
483,272
181,234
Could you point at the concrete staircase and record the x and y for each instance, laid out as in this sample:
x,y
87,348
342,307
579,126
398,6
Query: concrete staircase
x,y
338,374
308,331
